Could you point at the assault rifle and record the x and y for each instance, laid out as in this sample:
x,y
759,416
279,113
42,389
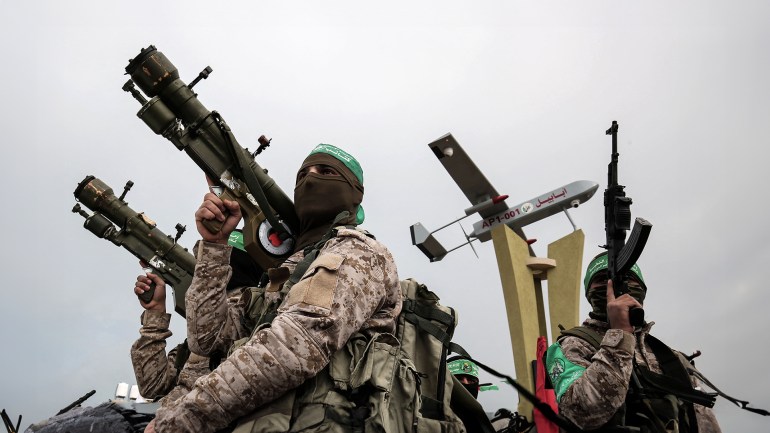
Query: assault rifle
x,y
137,233
621,256
175,113
77,402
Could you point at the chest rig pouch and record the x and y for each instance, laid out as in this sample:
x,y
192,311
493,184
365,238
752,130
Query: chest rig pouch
x,y
387,383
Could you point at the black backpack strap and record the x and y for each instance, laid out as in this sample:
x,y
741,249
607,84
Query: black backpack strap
x,y
421,318
429,312
456,348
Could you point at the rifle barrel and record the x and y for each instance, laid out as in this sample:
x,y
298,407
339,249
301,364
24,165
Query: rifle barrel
x,y
77,402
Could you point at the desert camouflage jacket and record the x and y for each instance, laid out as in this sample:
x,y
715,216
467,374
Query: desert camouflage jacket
x,y
352,286
594,387
156,372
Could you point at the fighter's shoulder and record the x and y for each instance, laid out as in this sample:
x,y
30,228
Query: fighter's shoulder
x,y
571,343
581,341
356,238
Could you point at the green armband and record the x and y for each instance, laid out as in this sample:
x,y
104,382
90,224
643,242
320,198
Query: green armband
x,y
561,370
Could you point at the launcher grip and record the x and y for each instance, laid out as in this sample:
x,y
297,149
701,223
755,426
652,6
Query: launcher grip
x,y
214,226
146,297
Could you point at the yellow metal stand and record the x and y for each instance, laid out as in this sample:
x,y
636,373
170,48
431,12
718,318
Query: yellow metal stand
x,y
564,281
521,275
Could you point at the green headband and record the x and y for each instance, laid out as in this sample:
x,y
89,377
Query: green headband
x,y
236,240
599,263
343,156
463,366
351,163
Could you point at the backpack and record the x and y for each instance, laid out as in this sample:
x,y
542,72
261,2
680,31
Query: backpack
x,y
424,330
387,383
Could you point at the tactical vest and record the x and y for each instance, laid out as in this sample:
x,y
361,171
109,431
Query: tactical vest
x,y
384,383
655,402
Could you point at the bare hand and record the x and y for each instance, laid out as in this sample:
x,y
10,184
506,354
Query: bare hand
x,y
617,309
215,209
158,301
150,427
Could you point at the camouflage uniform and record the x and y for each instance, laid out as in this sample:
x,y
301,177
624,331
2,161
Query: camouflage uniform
x,y
213,325
594,394
156,373
351,287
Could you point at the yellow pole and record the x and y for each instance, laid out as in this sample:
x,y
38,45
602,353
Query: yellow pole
x,y
520,304
564,281
520,276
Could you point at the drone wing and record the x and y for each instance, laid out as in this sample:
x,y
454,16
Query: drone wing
x,y
466,175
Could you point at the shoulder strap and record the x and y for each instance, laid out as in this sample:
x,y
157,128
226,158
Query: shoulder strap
x,y
182,354
311,252
743,404
675,378
584,333
421,316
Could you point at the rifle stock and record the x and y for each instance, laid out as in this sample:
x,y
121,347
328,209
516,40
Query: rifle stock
x,y
115,221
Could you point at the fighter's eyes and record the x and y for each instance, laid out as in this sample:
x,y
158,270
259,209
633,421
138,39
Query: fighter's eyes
x,y
323,170
328,171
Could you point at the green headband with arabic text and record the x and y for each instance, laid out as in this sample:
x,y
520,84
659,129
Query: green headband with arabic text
x,y
599,264
350,162
236,240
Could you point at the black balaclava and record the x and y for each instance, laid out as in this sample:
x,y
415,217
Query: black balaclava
x,y
597,296
318,199
472,386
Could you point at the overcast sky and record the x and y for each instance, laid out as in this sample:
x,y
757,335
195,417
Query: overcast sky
x,y
527,88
